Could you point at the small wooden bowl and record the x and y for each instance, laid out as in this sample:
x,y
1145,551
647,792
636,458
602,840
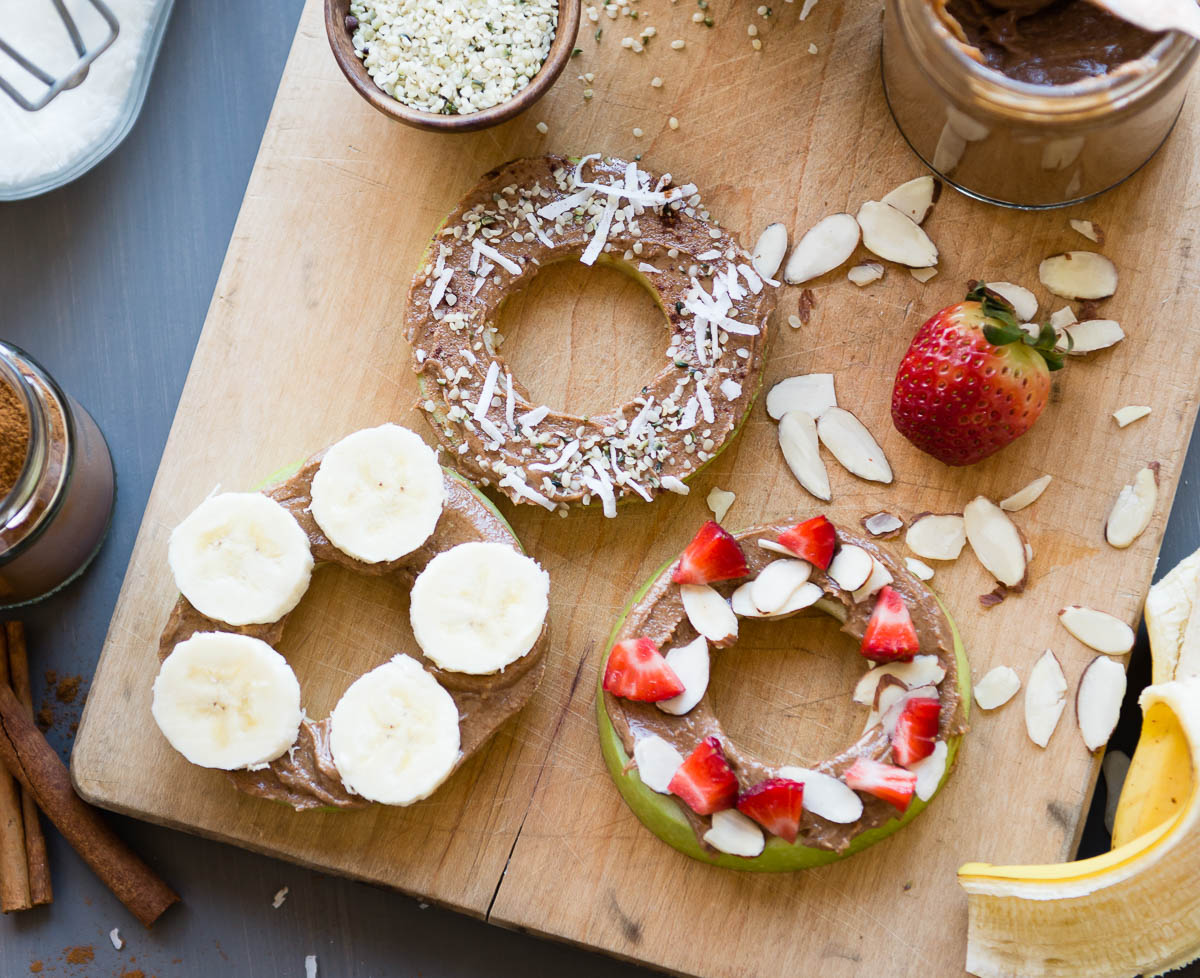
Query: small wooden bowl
x,y
356,73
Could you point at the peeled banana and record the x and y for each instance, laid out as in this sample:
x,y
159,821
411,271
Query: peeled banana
x,y
1134,910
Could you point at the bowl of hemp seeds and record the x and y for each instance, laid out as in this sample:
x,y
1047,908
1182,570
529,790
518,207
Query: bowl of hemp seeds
x,y
452,65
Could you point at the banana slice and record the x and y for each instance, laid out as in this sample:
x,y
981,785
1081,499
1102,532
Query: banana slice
x,y
378,493
478,607
227,701
241,558
394,734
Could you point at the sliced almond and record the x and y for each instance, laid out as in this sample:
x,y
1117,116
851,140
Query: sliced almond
x,y
1079,275
1024,302
880,576
996,541
851,567
709,613
719,501
930,771
1098,630
891,234
805,596
657,761
1098,700
769,250
742,604
825,796
1026,496
775,547
1130,413
913,198
865,273
734,833
852,445
970,129
776,582
918,568
882,524
921,670
1088,229
996,688
825,246
1045,697
798,441
922,275
890,692
1060,319
936,536
1133,510
811,393
690,663
949,150
1090,336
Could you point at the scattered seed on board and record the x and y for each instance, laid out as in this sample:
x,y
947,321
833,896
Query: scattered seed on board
x,y
673,122
543,128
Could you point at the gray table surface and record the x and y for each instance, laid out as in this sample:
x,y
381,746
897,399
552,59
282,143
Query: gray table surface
x,y
107,283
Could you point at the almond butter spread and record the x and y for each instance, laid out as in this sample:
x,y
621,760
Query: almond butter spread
x,y
1048,43
660,616
529,213
305,777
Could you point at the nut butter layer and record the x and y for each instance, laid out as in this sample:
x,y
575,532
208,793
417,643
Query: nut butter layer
x,y
530,213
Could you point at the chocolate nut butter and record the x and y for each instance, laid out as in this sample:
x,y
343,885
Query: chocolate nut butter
x,y
1029,103
56,483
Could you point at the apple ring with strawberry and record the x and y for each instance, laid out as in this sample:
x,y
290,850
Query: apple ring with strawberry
x,y
712,799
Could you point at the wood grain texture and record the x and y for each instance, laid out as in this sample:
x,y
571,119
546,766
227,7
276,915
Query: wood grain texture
x,y
301,346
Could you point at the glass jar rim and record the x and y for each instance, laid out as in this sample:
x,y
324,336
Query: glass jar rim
x,y
23,493
1076,101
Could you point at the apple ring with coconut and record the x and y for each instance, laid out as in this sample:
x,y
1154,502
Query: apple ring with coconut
x,y
377,502
530,213
713,800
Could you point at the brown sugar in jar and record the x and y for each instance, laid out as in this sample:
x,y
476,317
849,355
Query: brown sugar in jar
x,y
56,483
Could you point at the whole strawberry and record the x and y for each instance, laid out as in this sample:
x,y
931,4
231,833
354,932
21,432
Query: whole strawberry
x,y
972,380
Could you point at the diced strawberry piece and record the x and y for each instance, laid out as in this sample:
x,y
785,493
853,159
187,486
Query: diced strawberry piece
x,y
890,635
916,730
776,804
813,540
705,781
713,555
638,671
893,784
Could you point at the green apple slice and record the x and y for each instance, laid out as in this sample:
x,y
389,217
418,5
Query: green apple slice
x,y
663,816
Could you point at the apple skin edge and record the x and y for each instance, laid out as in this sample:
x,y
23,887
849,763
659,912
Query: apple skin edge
x,y
662,814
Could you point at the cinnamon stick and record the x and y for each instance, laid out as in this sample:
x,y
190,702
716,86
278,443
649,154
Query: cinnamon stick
x,y
32,761
14,868
38,862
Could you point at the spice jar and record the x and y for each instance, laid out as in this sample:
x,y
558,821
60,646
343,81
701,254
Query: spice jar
x,y
1016,143
56,483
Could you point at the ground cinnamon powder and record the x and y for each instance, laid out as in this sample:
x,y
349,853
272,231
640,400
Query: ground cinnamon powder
x,y
14,437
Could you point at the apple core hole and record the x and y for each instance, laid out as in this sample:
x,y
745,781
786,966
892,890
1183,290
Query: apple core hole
x,y
784,691
583,340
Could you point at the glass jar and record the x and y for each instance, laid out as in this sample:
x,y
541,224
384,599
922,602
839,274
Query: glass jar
x,y
1017,144
56,513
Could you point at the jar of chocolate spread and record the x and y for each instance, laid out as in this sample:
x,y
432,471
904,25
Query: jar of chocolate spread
x,y
1030,103
56,483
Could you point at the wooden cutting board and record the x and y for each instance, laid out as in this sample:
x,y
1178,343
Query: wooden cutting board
x,y
302,345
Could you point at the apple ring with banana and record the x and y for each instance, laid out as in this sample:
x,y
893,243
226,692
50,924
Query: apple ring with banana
x,y
533,212
379,503
716,801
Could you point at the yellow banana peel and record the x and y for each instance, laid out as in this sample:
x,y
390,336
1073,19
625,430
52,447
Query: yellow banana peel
x,y
1132,911
1159,779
